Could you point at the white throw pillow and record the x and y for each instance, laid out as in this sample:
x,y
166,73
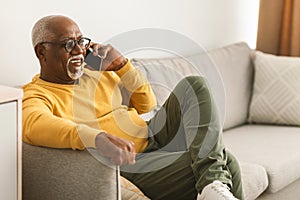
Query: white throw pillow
x,y
276,92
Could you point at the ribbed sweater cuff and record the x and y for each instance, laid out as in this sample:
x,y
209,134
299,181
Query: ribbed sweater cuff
x,y
87,135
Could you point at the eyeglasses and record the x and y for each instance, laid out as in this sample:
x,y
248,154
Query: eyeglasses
x,y
70,44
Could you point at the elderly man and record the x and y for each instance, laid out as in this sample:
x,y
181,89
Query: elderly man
x,y
68,105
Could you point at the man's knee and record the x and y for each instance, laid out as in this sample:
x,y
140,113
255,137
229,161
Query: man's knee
x,y
198,83
191,89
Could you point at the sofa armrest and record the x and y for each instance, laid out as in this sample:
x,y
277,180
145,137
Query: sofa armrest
x,y
65,174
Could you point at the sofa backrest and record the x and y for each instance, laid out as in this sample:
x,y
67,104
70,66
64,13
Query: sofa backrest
x,y
236,68
228,69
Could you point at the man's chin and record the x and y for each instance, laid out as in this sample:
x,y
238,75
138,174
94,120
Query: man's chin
x,y
75,75
74,68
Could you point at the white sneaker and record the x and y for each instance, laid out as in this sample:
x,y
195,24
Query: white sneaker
x,y
216,191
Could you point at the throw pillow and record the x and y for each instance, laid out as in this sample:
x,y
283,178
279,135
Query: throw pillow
x,y
276,92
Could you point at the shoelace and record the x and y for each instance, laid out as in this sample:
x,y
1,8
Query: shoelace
x,y
223,190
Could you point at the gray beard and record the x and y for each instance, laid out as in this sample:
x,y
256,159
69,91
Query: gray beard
x,y
78,72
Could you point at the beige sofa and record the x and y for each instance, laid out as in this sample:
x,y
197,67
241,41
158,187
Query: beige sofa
x,y
268,153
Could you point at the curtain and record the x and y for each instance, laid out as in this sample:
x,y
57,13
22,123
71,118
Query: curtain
x,y
289,41
269,26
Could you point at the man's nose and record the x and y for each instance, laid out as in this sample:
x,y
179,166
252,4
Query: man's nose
x,y
77,49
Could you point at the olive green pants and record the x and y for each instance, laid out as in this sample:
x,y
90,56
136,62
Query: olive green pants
x,y
185,151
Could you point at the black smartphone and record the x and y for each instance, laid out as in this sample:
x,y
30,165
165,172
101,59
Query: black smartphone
x,y
92,61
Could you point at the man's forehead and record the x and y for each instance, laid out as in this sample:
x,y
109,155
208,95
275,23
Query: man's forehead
x,y
65,36
66,31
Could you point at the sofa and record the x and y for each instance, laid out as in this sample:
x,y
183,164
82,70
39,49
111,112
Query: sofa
x,y
266,145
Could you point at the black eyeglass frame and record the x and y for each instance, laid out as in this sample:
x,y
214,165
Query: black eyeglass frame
x,y
74,44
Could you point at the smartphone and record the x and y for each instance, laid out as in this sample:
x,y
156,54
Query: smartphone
x,y
91,60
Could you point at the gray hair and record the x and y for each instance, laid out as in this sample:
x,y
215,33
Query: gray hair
x,y
42,30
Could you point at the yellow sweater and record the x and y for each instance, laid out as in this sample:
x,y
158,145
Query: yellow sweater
x,y
70,116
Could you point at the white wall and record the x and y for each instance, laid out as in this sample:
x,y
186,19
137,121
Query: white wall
x,y
210,23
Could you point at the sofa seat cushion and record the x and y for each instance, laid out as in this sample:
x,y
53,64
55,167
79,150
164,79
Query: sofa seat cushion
x,y
131,191
254,178
276,148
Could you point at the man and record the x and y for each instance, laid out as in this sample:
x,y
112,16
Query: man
x,y
70,106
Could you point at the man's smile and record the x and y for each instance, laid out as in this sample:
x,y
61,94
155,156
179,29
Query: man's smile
x,y
76,60
74,66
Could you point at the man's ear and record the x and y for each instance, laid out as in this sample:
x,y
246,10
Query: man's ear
x,y
40,52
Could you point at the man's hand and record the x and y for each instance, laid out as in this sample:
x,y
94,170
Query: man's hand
x,y
118,150
112,59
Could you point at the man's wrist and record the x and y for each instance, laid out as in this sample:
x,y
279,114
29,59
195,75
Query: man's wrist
x,y
122,64
99,136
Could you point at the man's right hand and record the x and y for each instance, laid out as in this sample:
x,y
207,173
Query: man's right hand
x,y
118,150
112,59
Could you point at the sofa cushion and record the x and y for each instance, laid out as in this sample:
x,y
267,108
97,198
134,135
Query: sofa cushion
x,y
276,96
235,65
131,191
254,178
276,148
164,74
230,65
